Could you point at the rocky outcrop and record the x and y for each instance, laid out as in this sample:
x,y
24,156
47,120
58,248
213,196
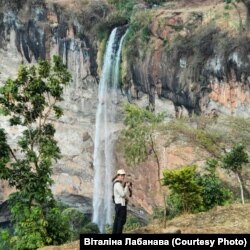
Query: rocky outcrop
x,y
202,64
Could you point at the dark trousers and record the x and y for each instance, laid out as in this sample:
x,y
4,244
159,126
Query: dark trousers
x,y
120,218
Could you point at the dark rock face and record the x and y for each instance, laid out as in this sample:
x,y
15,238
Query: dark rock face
x,y
38,26
190,63
4,215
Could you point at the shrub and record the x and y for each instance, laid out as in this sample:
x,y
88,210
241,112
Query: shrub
x,y
213,192
185,192
79,223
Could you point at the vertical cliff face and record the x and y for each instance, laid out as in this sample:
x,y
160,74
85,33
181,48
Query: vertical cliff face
x,y
202,61
32,30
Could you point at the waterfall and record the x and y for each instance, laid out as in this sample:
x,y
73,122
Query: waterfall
x,y
104,163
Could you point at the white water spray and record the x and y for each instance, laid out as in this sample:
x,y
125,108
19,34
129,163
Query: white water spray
x,y
104,162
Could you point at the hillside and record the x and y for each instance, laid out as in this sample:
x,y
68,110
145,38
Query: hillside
x,y
231,219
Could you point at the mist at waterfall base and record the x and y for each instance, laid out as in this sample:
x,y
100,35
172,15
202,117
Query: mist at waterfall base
x,y
104,162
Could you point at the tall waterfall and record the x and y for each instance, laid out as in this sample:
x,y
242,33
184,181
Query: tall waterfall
x,y
104,163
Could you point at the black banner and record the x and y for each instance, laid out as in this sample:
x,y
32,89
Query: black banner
x,y
165,240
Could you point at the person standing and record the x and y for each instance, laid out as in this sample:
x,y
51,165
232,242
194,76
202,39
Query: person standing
x,y
121,191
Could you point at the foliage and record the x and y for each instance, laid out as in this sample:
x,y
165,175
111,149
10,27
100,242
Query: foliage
x,y
186,194
138,34
4,239
137,136
174,205
213,192
235,159
33,227
132,223
158,213
125,6
78,223
202,192
90,228
29,101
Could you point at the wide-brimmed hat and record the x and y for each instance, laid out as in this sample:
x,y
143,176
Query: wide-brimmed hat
x,y
121,171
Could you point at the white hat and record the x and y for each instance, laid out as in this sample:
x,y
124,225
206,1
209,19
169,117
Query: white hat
x,y
121,171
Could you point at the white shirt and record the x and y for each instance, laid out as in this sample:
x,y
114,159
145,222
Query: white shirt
x,y
120,193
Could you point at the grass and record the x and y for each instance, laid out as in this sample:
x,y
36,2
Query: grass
x,y
230,219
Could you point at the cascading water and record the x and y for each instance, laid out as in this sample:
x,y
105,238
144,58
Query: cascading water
x,y
104,162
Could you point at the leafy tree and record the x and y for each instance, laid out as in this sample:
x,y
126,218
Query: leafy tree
x,y
138,136
234,161
29,101
186,194
213,192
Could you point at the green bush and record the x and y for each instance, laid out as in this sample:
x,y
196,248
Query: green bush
x,y
185,192
174,204
4,239
90,228
213,192
36,226
132,223
79,223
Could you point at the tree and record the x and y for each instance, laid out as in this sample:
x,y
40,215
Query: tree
x,y
28,102
213,192
234,161
138,137
185,191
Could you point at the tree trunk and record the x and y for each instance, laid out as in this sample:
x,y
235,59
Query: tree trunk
x,y
241,188
159,179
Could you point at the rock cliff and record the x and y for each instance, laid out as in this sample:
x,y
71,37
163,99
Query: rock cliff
x,y
200,58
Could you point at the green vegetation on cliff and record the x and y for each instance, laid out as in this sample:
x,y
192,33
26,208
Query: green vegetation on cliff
x,y
29,101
